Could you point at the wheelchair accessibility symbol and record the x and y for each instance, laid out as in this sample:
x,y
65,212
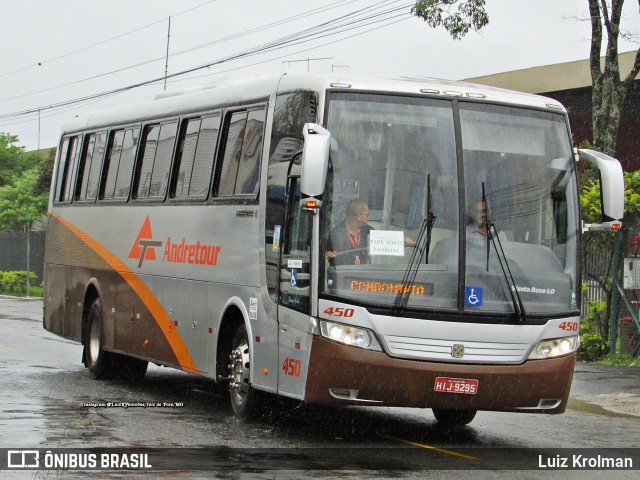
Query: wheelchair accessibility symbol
x,y
472,297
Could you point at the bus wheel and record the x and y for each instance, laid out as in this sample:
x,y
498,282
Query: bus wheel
x,y
453,418
131,369
243,396
96,358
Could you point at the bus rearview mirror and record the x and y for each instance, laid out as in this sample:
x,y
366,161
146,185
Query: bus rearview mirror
x,y
315,161
611,188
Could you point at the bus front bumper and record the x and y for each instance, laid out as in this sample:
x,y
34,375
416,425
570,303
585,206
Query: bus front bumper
x,y
340,374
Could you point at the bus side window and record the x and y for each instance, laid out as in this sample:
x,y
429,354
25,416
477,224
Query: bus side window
x,y
111,164
127,159
249,168
194,157
69,153
232,153
240,170
152,173
89,167
62,169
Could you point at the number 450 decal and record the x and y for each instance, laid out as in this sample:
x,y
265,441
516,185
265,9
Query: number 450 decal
x,y
339,312
569,326
291,367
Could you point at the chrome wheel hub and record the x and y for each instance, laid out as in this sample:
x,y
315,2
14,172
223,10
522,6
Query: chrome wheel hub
x,y
239,367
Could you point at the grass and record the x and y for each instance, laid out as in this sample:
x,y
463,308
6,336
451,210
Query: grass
x,y
620,360
33,292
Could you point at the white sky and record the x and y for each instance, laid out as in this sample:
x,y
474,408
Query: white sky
x,y
520,34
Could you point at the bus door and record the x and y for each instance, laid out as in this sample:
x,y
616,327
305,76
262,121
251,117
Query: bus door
x,y
294,339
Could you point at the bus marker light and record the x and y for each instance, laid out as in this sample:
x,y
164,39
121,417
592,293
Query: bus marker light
x,y
265,371
311,204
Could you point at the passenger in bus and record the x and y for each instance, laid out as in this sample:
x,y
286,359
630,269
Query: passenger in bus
x,y
349,241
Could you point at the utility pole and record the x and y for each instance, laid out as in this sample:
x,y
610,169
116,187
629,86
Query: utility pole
x,y
166,64
38,129
28,230
308,60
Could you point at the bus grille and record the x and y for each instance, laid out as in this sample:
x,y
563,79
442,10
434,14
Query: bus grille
x,y
441,350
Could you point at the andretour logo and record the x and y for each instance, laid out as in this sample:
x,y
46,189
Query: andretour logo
x,y
144,245
144,248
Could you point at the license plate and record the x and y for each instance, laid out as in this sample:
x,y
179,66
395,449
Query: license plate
x,y
456,385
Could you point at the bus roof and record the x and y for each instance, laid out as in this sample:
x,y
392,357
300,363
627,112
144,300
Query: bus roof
x,y
239,90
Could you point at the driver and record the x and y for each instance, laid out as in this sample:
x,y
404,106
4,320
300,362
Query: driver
x,y
351,238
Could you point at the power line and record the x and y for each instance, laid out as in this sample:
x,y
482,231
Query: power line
x,y
307,35
97,44
191,49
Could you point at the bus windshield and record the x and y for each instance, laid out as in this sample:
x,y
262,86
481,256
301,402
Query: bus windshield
x,y
441,205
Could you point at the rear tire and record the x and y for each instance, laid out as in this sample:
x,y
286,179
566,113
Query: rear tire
x,y
243,397
453,418
96,359
130,369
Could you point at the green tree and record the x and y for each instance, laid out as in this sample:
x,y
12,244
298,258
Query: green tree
x,y
24,183
45,171
457,17
10,159
14,161
609,92
18,203
597,242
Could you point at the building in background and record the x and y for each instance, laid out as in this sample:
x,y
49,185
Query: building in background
x,y
570,84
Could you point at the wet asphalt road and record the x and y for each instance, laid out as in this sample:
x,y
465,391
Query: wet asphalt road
x,y
46,397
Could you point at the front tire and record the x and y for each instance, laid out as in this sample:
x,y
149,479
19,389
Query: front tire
x,y
243,396
453,418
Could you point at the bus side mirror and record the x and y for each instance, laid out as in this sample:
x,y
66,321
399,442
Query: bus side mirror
x,y
611,189
315,163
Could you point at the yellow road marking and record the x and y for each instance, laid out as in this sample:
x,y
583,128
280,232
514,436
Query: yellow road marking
x,y
4,347
435,449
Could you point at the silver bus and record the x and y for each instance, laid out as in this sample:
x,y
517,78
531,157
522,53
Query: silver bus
x,y
350,240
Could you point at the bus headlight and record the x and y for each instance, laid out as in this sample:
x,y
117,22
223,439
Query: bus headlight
x,y
349,335
555,347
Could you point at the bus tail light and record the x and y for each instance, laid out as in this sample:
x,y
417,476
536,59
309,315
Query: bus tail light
x,y
555,347
349,335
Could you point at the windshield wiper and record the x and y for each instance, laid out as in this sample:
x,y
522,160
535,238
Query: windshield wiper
x,y
431,219
421,247
516,299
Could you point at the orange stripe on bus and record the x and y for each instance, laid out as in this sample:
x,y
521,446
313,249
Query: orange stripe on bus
x,y
146,295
